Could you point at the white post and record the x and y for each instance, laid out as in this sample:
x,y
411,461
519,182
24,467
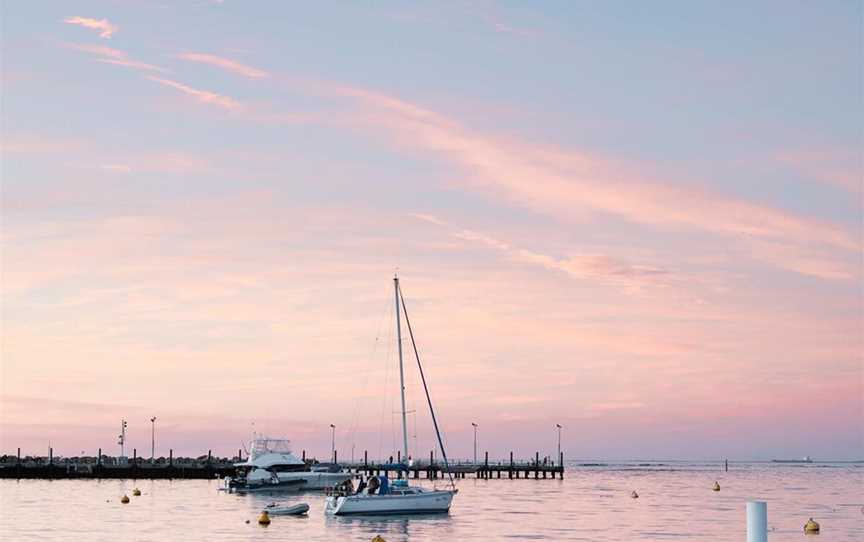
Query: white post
x,y
153,439
757,521
475,443
401,372
558,425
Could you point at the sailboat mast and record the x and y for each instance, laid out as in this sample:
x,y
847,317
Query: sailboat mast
x,y
401,372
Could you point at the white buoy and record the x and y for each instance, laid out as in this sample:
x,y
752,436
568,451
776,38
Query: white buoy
x,y
757,521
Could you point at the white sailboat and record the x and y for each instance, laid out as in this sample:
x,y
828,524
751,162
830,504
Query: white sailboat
x,y
398,497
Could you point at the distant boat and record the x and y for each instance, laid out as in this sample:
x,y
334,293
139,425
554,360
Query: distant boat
x,y
272,467
381,496
806,459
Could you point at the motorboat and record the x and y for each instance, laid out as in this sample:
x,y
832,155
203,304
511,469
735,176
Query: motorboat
x,y
380,497
272,466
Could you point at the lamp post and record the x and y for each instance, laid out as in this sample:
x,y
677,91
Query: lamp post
x,y
122,440
332,443
153,439
558,425
475,441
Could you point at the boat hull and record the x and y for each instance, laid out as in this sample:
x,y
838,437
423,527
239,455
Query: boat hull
x,y
427,502
315,480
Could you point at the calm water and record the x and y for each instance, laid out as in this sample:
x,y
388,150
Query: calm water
x,y
592,503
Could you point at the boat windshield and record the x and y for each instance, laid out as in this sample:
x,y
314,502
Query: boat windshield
x,y
263,446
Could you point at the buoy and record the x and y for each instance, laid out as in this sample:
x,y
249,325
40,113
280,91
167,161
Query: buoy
x,y
811,527
264,518
378,538
136,492
247,522
634,495
716,486
124,499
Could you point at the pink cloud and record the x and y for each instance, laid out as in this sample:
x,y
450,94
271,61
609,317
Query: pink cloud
x,y
133,64
99,50
568,184
114,56
837,167
105,28
226,64
203,96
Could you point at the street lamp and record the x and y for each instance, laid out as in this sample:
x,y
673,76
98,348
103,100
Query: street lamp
x,y
475,441
121,439
153,439
332,443
558,425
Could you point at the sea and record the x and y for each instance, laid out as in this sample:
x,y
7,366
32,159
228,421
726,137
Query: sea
x,y
593,502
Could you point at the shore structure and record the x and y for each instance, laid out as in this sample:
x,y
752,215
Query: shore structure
x,y
208,466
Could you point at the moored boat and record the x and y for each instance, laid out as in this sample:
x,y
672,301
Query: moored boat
x,y
272,466
380,497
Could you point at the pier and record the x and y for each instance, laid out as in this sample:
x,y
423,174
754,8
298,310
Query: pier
x,y
208,466
431,469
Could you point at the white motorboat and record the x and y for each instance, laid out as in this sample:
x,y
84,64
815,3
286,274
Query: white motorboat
x,y
271,466
381,497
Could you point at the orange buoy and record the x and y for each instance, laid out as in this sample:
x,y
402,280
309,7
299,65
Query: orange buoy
x,y
264,518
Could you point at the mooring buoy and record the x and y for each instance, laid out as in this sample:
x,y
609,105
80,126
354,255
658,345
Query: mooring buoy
x,y
378,538
136,492
264,518
811,527
716,486
634,495
124,499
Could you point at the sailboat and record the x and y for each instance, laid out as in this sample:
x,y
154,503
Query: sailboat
x,y
398,497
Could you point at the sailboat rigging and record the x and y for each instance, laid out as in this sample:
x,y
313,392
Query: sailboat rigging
x,y
382,497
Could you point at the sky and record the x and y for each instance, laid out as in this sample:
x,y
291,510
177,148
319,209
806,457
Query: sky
x,y
641,221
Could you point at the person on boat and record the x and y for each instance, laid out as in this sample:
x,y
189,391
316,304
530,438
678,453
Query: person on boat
x,y
374,483
361,486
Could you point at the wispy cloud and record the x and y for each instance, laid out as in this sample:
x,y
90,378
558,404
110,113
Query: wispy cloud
x,y
204,96
133,64
106,29
838,167
226,64
99,50
114,56
567,184
117,168
595,266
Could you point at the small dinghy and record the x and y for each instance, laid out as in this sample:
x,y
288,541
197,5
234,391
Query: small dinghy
x,y
295,510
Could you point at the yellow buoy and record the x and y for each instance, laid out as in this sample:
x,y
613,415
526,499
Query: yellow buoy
x,y
716,486
136,492
378,538
811,527
124,499
634,495
264,518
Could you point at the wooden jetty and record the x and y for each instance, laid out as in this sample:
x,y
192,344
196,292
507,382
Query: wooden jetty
x,y
433,469
208,467
103,466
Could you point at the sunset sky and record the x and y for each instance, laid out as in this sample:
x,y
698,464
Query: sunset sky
x,y
642,221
